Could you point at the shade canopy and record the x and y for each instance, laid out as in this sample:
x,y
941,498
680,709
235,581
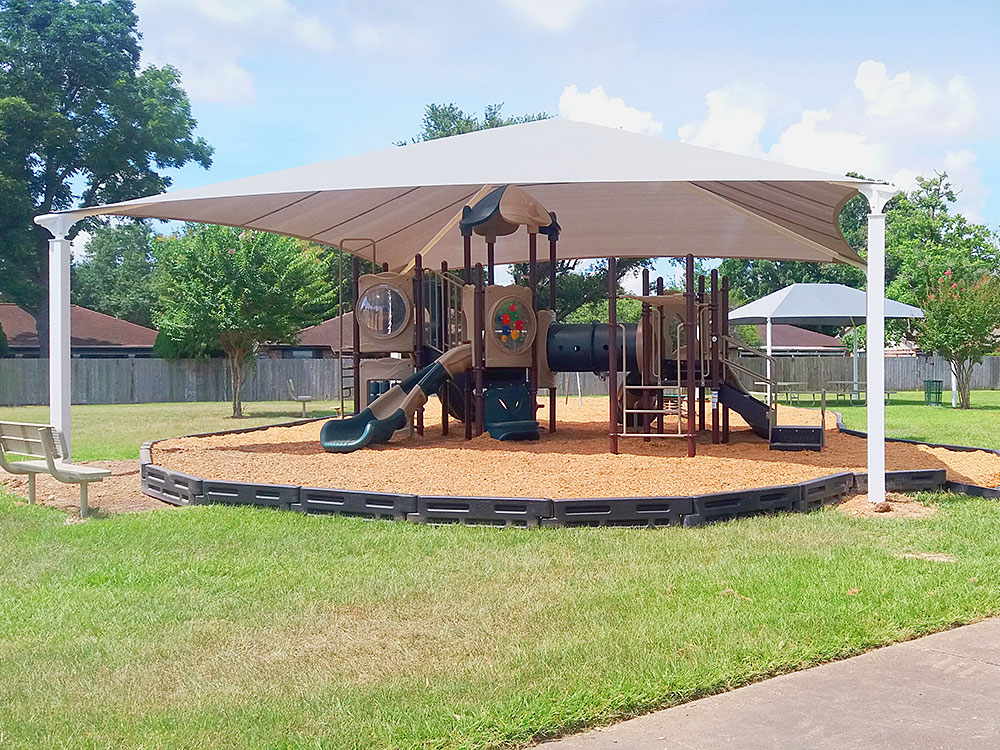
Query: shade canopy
x,y
816,304
615,194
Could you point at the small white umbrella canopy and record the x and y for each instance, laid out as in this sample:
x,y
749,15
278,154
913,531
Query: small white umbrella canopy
x,y
615,193
816,304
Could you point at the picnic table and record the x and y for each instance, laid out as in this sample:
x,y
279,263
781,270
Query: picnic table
x,y
793,389
845,389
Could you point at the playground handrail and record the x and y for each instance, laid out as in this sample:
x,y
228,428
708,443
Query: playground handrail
x,y
772,400
449,307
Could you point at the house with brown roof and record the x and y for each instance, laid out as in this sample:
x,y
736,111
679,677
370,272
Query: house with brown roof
x,y
321,341
92,334
790,341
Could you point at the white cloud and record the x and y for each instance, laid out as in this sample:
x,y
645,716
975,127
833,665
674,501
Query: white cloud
x,y
736,117
912,102
810,143
887,127
552,15
632,283
210,40
596,107
78,247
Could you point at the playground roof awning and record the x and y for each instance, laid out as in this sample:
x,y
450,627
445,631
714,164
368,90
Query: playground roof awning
x,y
816,304
615,194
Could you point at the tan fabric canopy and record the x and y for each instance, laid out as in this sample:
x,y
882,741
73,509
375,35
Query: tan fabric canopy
x,y
615,194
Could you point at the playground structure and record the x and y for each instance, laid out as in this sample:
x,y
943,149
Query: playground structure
x,y
619,194
487,350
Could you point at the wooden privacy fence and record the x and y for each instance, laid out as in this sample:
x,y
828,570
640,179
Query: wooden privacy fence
x,y
901,373
139,381
136,381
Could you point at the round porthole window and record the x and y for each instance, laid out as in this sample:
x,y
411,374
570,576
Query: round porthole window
x,y
383,311
513,325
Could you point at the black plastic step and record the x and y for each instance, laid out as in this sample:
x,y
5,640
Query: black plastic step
x,y
796,438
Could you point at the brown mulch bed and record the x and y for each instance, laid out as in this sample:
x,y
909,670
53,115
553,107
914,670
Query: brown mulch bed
x,y
574,462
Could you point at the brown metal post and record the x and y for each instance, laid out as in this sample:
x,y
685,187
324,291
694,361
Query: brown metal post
x,y
443,390
533,284
418,326
659,333
490,248
647,355
714,371
479,351
467,257
613,353
467,278
553,256
701,350
723,332
385,266
689,295
355,274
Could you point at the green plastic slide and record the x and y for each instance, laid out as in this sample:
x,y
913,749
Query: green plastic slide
x,y
391,411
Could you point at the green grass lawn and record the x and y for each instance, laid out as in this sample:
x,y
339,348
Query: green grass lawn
x,y
116,431
239,627
907,417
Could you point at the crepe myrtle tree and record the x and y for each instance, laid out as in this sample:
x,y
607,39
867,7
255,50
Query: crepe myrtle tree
x,y
961,323
232,289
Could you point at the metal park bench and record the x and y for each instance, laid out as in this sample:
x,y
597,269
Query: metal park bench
x,y
41,441
294,396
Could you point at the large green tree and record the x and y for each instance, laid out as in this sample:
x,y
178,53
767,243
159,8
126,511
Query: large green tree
x,y
116,276
80,124
924,238
577,284
222,288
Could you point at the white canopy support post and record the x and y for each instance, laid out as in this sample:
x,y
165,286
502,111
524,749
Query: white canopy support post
x,y
60,381
878,196
769,347
954,386
854,363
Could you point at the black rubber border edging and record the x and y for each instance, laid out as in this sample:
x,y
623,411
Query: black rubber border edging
x,y
178,488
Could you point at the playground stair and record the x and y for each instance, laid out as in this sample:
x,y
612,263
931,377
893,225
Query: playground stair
x,y
796,438
759,417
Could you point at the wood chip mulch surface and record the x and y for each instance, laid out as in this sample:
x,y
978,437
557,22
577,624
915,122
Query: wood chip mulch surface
x,y
574,462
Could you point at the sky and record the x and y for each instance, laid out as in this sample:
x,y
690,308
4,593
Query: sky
x,y
891,90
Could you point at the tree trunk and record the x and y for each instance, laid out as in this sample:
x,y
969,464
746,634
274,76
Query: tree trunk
x,y
963,374
41,313
236,373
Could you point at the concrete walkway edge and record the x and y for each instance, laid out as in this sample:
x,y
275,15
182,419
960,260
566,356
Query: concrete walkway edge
x,y
939,691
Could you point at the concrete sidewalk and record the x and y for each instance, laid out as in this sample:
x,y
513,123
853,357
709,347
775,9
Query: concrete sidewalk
x,y
941,691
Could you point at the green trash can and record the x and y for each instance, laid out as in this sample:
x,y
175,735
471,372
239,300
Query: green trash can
x,y
932,392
